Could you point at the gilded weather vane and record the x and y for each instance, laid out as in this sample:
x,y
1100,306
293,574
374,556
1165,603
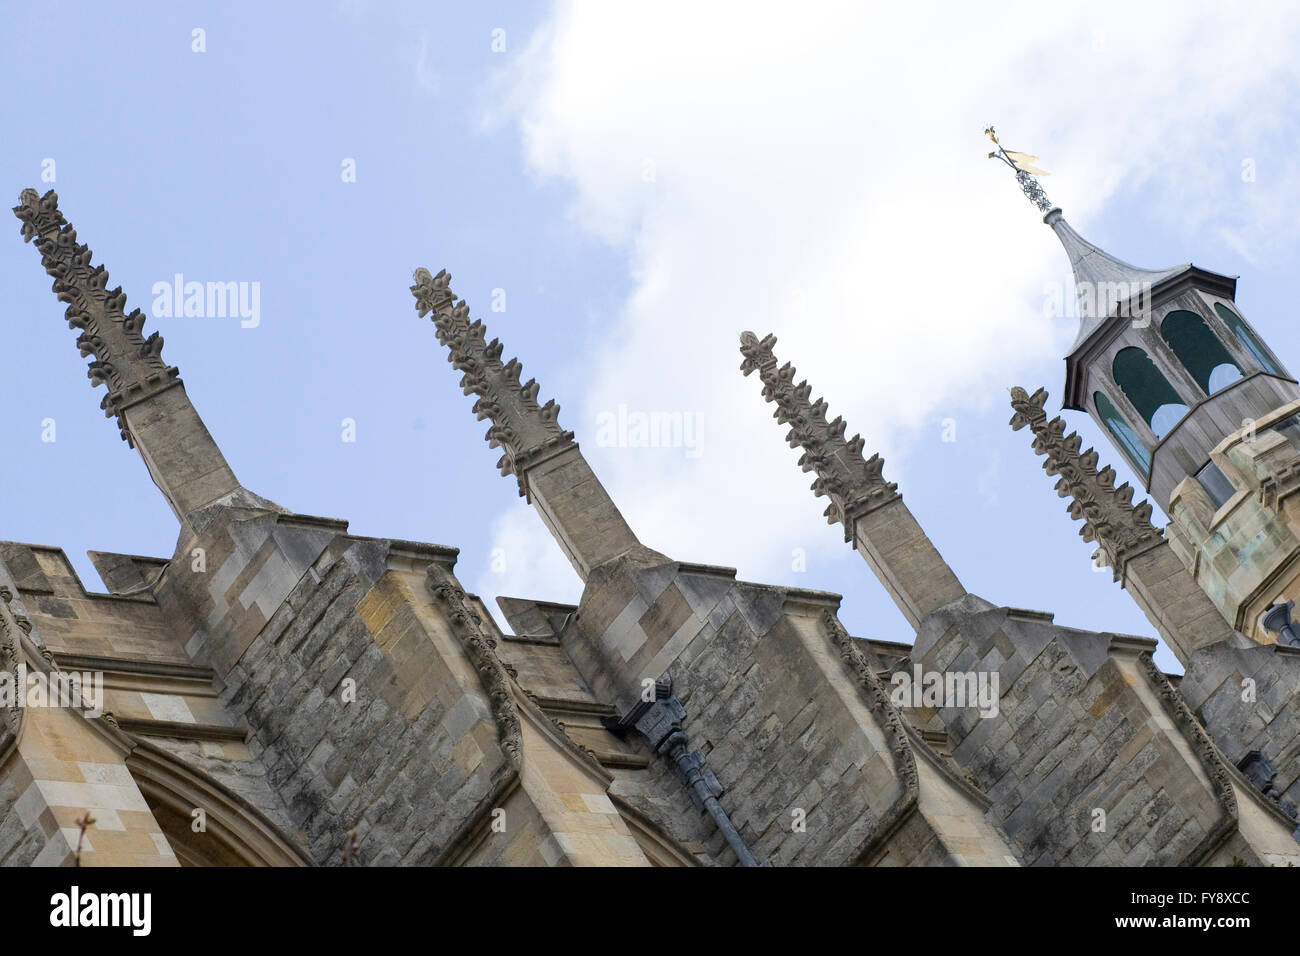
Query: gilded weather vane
x,y
1025,170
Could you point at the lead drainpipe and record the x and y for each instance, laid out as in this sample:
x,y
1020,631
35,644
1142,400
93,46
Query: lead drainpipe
x,y
1277,620
660,722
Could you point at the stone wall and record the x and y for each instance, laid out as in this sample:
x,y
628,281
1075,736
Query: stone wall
x,y
777,704
1248,697
22,838
361,704
1091,759
1243,554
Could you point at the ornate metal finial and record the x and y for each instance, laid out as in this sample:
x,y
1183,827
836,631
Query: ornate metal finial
x,y
1120,528
853,484
124,360
1022,165
525,430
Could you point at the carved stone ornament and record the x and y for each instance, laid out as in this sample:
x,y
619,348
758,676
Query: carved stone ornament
x,y
1211,760
1120,528
877,699
481,648
123,359
11,624
526,431
853,484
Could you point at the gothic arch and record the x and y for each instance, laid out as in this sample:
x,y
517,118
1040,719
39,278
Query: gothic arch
x,y
1147,390
237,833
1247,338
1200,350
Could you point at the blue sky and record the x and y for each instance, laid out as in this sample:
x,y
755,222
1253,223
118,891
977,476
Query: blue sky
x,y
643,183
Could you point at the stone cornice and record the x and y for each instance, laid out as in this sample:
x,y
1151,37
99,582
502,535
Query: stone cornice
x,y
527,432
181,730
119,665
1120,528
123,359
854,485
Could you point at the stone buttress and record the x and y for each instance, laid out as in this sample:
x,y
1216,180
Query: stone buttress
x,y
1087,755
1240,689
769,707
1208,418
279,692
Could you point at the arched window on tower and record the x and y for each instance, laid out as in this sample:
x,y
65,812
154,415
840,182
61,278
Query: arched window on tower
x,y
1247,338
1122,433
1200,350
1148,390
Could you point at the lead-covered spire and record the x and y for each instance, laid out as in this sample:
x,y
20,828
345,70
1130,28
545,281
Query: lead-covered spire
x,y
1103,283
1110,294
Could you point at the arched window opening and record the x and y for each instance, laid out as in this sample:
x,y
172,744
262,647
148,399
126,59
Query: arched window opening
x,y
236,833
1247,338
1200,350
1148,391
1122,433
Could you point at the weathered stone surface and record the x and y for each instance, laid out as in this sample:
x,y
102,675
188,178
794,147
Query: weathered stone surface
x,y
1092,757
322,698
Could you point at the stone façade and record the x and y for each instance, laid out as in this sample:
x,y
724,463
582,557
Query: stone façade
x,y
320,698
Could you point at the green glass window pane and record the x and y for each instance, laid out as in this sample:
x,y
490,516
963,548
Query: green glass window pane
x,y
1247,338
1200,350
1148,390
1122,433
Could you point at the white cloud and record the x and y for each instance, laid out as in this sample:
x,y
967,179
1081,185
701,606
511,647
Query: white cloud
x,y
822,174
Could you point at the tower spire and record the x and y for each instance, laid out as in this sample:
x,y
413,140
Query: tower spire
x,y
543,457
1106,287
872,512
145,394
1102,282
1167,366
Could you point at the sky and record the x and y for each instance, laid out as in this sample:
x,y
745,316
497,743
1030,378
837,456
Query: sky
x,y
618,190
